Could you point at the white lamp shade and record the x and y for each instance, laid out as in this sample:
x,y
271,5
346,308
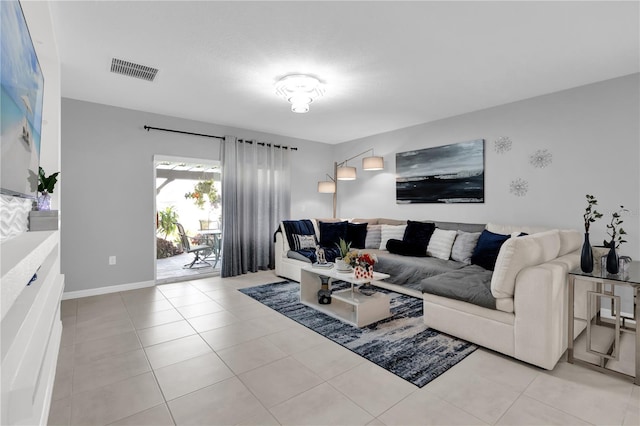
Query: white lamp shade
x,y
346,173
327,187
373,163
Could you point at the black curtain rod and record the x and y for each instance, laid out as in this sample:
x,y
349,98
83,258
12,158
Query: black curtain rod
x,y
147,128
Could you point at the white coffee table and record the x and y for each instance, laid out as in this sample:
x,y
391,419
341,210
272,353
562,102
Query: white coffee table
x,y
346,305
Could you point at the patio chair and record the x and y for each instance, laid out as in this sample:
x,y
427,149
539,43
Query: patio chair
x,y
199,251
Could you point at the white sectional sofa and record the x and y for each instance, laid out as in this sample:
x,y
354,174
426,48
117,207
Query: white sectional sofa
x,y
529,285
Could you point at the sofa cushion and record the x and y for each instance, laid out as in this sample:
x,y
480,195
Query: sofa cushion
x,y
510,229
369,221
441,243
518,253
404,270
418,234
394,222
470,284
404,248
374,237
300,227
304,242
464,245
357,234
487,249
331,232
302,255
389,232
570,241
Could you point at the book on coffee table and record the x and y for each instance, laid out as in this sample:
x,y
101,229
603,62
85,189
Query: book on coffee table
x,y
327,265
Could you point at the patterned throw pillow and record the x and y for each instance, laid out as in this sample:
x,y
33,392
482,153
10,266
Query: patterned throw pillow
x,y
464,245
302,242
440,244
389,232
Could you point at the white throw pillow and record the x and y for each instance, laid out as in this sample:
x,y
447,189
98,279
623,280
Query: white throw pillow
x,y
374,236
519,253
391,232
440,243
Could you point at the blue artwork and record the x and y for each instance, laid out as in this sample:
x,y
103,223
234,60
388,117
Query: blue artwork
x,y
444,174
22,87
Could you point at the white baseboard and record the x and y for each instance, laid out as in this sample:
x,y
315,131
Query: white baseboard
x,y
105,290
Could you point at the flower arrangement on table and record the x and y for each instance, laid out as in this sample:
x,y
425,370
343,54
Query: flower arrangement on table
x,y
362,263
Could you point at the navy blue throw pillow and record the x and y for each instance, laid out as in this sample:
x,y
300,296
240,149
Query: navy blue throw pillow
x,y
300,227
418,234
331,232
357,234
487,249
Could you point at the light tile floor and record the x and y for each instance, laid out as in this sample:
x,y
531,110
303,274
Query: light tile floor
x,y
200,352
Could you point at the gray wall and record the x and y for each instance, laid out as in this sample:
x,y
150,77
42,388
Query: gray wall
x,y
107,202
591,131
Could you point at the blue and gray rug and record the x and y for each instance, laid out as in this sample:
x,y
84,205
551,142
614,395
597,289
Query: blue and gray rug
x,y
401,344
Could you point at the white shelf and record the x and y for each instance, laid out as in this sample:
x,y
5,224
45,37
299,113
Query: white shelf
x,y
20,258
30,326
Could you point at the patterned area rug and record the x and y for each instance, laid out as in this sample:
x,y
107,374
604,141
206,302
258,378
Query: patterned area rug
x,y
401,344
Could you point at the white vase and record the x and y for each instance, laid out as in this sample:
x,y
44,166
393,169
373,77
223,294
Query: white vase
x,y
341,265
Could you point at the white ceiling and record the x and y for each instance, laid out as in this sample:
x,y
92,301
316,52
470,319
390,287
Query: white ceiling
x,y
386,65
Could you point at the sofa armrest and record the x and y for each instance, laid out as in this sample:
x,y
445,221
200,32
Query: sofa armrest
x,y
279,251
540,305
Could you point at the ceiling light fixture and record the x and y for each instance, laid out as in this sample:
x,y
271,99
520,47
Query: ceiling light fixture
x,y
299,90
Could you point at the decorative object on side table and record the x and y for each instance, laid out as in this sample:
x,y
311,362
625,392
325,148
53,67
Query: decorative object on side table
x,y
616,233
599,252
324,294
45,189
590,216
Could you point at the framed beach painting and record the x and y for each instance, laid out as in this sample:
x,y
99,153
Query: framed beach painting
x,y
22,85
444,174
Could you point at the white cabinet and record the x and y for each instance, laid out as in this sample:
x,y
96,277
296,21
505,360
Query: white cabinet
x,y
30,325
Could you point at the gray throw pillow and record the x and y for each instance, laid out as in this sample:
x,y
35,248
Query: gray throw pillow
x,y
464,245
374,237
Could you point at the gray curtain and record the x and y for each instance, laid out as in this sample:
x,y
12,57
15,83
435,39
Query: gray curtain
x,y
255,198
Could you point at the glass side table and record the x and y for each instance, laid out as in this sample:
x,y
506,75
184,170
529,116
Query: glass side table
x,y
606,334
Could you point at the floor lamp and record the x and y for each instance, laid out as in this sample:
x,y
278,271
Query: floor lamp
x,y
341,171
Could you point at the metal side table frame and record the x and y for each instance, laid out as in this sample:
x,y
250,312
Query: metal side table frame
x,y
618,324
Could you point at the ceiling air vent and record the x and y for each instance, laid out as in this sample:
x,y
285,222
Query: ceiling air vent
x,y
133,70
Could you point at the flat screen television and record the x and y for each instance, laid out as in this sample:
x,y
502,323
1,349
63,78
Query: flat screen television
x,y
22,86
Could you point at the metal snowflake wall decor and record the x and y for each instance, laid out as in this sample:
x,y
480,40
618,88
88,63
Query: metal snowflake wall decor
x,y
502,144
540,159
519,187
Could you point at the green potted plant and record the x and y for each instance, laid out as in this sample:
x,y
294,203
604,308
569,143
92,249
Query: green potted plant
x,y
342,262
46,184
